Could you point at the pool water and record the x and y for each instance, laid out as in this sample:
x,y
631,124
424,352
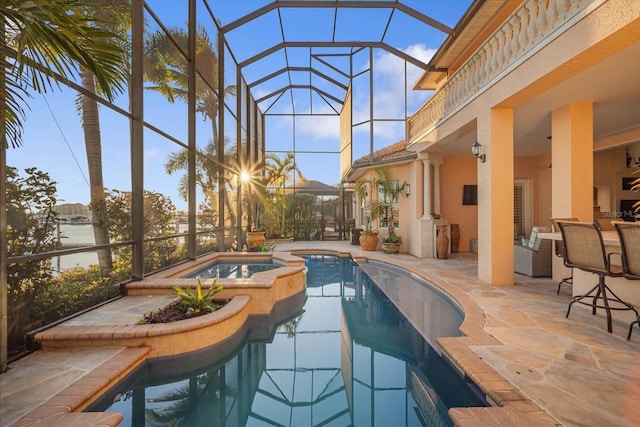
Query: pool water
x,y
233,270
349,359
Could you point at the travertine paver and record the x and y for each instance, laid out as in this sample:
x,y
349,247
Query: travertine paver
x,y
40,376
130,311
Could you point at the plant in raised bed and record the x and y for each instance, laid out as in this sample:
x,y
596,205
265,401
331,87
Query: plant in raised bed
x,y
191,304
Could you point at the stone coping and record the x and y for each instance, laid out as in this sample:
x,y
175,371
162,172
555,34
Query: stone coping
x,y
163,339
282,258
162,282
263,279
64,408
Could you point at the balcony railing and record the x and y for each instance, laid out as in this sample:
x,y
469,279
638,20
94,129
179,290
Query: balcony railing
x,y
530,27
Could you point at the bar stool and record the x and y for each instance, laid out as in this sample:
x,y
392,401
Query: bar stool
x,y
584,249
559,250
629,234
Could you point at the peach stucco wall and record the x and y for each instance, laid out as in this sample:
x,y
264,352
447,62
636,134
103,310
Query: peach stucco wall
x,y
538,170
458,171
455,172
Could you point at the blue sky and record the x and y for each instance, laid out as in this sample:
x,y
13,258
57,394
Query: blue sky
x,y
53,139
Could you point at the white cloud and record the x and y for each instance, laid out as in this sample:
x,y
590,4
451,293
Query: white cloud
x,y
319,127
152,153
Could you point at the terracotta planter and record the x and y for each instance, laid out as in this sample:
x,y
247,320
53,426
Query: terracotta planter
x,y
391,248
255,238
442,242
369,241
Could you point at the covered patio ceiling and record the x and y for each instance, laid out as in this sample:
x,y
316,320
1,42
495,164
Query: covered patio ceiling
x,y
613,87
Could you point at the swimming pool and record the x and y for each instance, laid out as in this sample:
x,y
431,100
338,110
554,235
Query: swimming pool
x,y
350,358
233,270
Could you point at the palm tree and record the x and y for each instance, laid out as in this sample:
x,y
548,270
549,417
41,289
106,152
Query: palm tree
x,y
385,207
166,68
279,171
364,189
114,16
206,174
382,207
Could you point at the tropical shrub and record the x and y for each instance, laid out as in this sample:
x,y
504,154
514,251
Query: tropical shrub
x,y
31,225
265,247
197,300
159,221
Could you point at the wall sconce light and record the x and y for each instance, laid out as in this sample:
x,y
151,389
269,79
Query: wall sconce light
x,y
475,150
406,189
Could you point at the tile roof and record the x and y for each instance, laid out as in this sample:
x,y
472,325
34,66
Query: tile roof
x,y
388,154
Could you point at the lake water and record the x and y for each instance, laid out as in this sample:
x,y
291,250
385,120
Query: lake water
x,y
75,235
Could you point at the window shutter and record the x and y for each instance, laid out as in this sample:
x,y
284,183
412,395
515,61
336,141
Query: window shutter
x,y
518,210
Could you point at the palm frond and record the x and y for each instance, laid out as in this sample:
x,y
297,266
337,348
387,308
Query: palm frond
x,y
177,161
46,40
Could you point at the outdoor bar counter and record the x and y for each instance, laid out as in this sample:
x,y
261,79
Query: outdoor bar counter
x,y
627,290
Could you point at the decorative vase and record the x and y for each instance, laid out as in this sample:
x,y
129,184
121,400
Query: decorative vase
x,y
255,238
369,241
442,242
455,238
391,248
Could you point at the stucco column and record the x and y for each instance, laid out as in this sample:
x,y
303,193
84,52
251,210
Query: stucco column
x,y
572,160
495,197
426,189
436,185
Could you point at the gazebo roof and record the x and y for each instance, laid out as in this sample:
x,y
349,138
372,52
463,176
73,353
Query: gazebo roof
x,y
311,186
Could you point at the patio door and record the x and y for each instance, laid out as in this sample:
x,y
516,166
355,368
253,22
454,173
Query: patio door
x,y
522,218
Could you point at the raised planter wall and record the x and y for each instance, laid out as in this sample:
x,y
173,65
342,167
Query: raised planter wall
x,y
256,296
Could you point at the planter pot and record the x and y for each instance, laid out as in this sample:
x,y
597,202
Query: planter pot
x,y
255,238
369,241
391,248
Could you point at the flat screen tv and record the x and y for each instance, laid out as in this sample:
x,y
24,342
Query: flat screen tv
x,y
469,195
627,213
